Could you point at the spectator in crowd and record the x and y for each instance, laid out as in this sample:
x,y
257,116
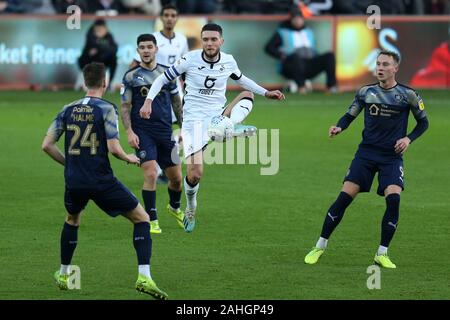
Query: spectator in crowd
x,y
106,7
197,6
437,6
10,6
359,7
62,5
100,47
293,44
38,7
152,7
257,6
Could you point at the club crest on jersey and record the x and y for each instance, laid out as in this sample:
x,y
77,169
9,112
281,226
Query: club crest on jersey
x,y
144,91
222,67
142,154
398,97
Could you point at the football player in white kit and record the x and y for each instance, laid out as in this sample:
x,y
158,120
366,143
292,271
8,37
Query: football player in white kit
x,y
206,73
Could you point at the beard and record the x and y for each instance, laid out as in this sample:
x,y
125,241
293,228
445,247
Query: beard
x,y
210,56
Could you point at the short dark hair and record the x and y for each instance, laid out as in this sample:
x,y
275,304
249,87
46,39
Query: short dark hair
x,y
212,27
100,22
94,75
146,37
295,11
168,7
392,54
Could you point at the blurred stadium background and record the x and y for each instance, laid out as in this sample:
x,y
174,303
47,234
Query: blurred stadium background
x,y
247,246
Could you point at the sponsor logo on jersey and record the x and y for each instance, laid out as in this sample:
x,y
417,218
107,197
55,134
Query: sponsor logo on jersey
x,y
374,110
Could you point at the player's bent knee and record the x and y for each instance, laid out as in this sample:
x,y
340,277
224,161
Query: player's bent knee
x,y
194,177
150,175
392,189
247,94
73,219
351,188
137,215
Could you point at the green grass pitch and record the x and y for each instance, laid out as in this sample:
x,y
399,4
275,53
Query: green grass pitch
x,y
253,231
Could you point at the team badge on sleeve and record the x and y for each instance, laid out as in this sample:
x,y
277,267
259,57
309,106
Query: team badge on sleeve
x,y
421,105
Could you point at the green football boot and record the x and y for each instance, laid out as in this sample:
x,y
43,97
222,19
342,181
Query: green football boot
x,y
177,214
154,227
148,286
384,261
313,256
62,280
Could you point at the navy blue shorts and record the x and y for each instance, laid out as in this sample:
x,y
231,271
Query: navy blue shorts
x,y
113,198
362,171
161,148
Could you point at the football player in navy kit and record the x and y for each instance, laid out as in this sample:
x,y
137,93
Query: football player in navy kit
x,y
153,138
386,107
91,130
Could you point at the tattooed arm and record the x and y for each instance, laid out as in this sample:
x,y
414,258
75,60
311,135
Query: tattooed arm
x,y
133,139
177,108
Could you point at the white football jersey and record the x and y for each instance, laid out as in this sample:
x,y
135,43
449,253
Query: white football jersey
x,y
205,83
169,50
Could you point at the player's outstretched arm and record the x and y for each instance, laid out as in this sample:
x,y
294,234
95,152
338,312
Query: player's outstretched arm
x,y
156,87
49,146
252,86
116,150
275,95
146,109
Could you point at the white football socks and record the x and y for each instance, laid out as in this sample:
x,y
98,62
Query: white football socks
x,y
382,250
322,243
241,110
144,269
191,195
64,269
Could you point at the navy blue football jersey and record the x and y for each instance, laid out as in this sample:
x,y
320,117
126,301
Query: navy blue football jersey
x,y
135,86
386,113
87,123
